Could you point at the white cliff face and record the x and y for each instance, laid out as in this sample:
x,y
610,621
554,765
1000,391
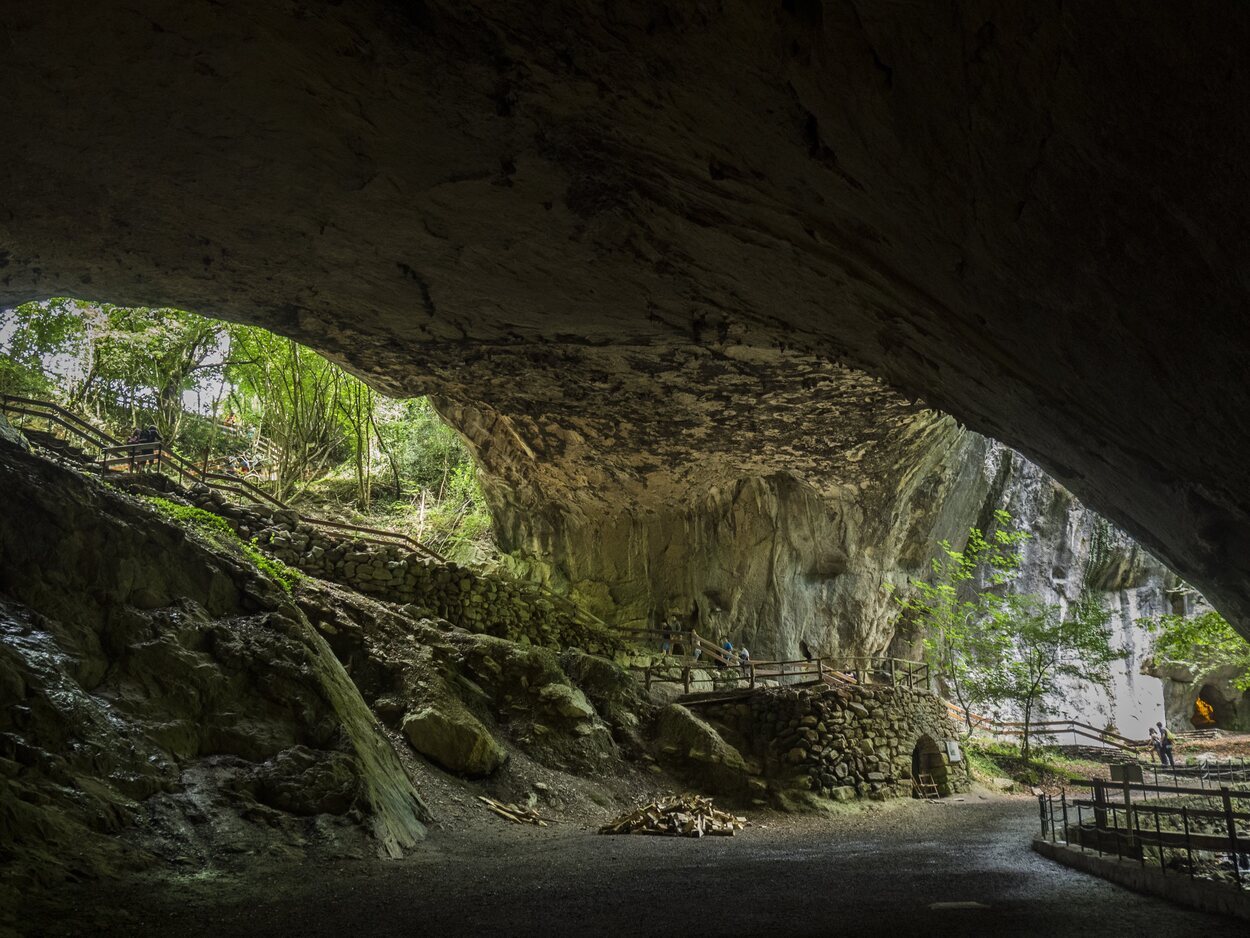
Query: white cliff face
x,y
1073,550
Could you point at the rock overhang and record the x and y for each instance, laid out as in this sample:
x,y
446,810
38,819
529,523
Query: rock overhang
x,y
1023,217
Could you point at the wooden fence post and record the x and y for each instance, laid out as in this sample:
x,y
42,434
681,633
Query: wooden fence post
x,y
1232,832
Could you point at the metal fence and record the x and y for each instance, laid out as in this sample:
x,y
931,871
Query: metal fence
x,y
1191,822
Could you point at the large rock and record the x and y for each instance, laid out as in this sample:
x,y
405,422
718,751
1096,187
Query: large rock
x,y
145,678
11,436
454,738
694,748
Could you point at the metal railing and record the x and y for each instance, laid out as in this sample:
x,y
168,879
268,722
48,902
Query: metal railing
x,y
1202,822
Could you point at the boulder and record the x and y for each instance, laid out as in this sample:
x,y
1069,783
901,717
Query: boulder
x,y
568,702
694,747
453,737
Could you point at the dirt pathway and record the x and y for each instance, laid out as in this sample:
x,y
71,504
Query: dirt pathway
x,y
880,871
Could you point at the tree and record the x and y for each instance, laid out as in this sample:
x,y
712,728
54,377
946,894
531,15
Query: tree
x,y
1046,645
292,395
960,610
1200,643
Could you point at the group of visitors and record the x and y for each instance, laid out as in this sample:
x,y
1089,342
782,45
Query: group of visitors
x,y
139,435
725,660
1161,745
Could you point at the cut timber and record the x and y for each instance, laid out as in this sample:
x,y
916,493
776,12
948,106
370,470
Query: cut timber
x,y
514,813
684,816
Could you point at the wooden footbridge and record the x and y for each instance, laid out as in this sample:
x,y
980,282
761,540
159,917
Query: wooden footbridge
x,y
699,665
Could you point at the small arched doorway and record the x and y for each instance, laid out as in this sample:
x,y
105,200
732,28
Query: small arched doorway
x,y
928,767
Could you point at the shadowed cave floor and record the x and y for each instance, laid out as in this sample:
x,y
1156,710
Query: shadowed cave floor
x,y
877,870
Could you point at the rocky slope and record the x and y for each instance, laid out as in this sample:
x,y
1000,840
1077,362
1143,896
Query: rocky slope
x,y
159,699
164,703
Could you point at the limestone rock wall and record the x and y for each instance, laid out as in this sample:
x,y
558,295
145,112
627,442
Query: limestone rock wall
x,y
772,562
159,700
1074,551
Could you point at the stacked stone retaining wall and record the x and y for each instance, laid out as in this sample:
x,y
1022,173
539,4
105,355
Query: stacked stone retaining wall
x,y
480,602
842,743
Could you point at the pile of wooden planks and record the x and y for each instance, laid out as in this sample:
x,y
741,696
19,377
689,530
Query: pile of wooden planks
x,y
514,813
677,816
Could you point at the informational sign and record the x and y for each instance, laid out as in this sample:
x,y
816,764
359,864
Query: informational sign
x,y
953,752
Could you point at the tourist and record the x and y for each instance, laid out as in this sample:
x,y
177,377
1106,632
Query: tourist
x,y
1155,748
728,648
696,650
744,660
1166,754
666,639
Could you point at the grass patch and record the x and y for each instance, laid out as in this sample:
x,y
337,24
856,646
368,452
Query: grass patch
x,y
217,531
1048,768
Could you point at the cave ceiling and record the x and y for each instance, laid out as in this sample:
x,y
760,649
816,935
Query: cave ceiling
x,y
639,248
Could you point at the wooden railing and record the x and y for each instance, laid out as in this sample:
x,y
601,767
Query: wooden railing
x,y
113,456
1045,728
691,669
1192,820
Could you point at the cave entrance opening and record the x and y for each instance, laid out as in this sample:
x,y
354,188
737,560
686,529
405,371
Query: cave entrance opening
x,y
1212,710
250,407
928,767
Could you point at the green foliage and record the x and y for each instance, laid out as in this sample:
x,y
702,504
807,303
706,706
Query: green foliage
x,y
1201,643
1047,645
990,646
961,613
988,760
217,531
308,418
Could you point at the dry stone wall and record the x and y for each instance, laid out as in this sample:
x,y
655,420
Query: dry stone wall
x,y
841,743
478,602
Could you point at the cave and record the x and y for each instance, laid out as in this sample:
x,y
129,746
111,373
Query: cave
x,y
1216,709
741,308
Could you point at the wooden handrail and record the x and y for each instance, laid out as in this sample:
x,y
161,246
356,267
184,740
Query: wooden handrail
x,y
1046,728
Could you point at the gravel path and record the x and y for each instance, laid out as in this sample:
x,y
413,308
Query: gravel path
x,y
879,871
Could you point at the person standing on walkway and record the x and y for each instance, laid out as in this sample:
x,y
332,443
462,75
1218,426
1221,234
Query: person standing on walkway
x,y
1166,753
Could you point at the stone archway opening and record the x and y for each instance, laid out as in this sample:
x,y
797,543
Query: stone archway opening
x,y
928,766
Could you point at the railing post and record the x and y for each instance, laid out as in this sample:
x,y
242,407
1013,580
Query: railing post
x,y
1189,853
752,667
1063,801
685,676
1232,832
1041,808
1159,840
647,677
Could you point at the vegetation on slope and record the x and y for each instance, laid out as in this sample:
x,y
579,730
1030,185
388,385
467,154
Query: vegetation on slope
x,y
262,406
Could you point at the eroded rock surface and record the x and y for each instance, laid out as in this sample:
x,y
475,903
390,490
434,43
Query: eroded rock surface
x,y
159,700
636,247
